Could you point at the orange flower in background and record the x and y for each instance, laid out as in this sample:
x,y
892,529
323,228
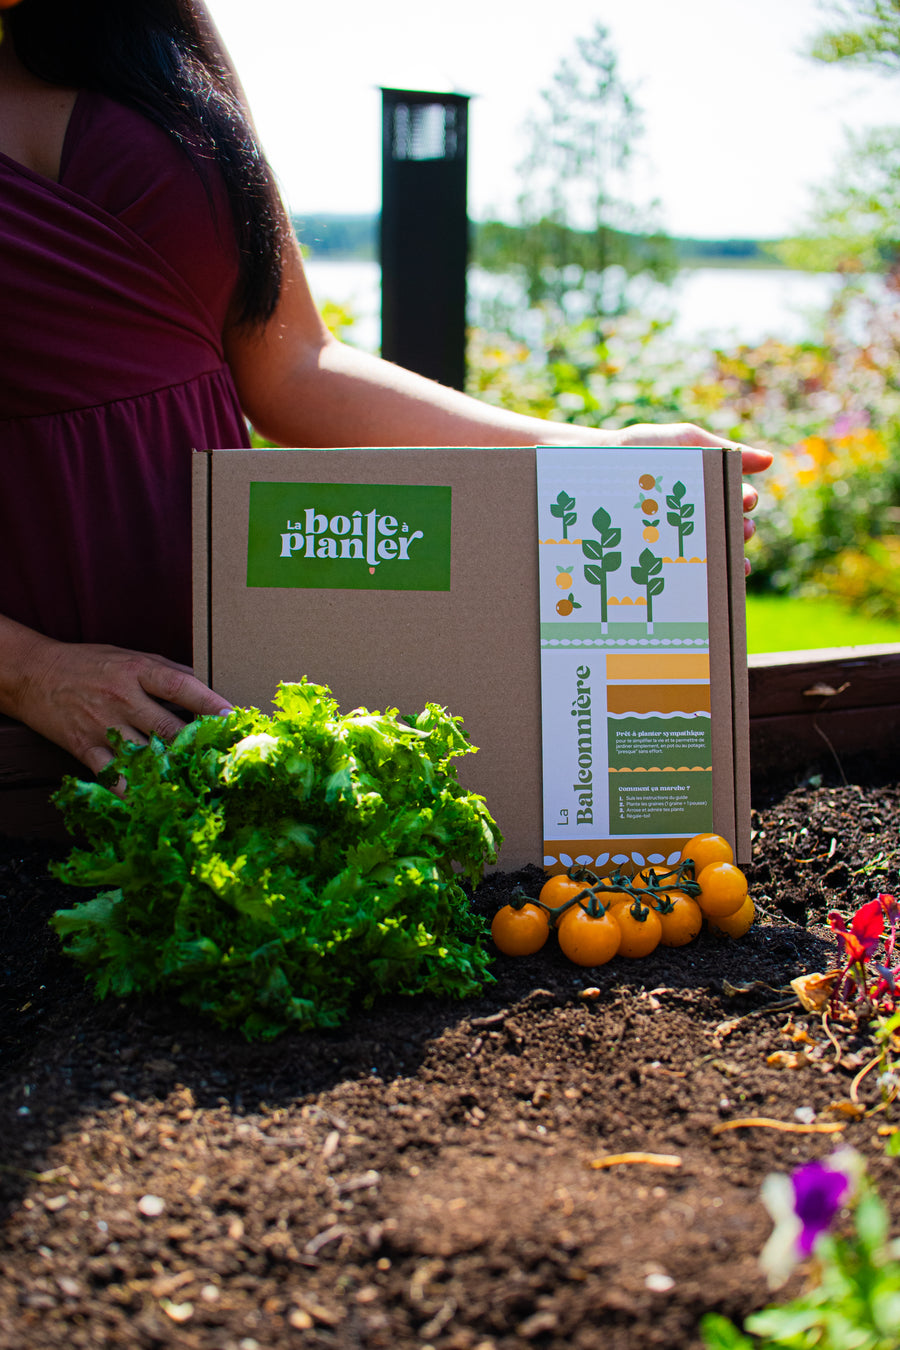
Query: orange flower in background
x,y
864,446
813,456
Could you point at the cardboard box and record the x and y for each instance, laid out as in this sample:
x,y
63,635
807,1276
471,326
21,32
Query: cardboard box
x,y
400,577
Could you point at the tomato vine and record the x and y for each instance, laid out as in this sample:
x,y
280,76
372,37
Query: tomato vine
x,y
629,914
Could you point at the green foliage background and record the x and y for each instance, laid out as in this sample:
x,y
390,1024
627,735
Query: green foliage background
x,y
829,409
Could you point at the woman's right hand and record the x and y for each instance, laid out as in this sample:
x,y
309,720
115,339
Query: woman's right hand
x,y
73,693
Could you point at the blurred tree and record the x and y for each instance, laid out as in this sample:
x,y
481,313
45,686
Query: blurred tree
x,y
854,222
579,237
865,33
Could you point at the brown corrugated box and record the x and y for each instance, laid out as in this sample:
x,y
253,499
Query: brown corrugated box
x,y
473,648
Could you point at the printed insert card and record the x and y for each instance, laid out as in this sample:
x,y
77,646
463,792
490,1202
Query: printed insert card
x,y
624,632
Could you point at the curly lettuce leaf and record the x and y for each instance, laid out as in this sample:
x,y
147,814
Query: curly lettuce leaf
x,y
275,871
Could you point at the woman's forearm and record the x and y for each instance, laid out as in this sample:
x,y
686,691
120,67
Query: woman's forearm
x,y
343,396
301,387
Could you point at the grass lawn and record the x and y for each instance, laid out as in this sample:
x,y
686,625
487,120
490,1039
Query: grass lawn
x,y
783,624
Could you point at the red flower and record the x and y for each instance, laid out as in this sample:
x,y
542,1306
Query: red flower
x,y
861,939
891,907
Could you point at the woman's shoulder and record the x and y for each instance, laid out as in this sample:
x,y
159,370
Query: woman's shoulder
x,y
130,167
114,153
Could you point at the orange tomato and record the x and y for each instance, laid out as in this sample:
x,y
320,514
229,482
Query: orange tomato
x,y
557,890
641,930
737,924
681,923
519,932
616,899
704,849
586,940
723,888
661,871
610,895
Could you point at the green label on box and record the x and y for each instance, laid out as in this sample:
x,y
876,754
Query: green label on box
x,y
349,536
660,803
650,743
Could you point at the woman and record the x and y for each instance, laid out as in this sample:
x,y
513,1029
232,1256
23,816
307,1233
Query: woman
x,y
154,298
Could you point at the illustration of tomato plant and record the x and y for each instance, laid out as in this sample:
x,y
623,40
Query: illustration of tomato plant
x,y
679,515
603,554
564,509
647,574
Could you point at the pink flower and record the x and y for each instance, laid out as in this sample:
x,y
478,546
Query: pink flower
x,y
854,419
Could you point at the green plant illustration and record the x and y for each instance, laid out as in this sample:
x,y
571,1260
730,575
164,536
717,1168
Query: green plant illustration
x,y
603,561
564,509
679,515
647,574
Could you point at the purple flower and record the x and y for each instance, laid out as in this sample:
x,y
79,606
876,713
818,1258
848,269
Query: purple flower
x,y
819,1193
803,1207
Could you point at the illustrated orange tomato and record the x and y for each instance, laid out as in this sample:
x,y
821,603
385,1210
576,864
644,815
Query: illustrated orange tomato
x,y
646,481
704,849
650,533
564,579
586,940
737,924
519,932
566,606
723,889
641,930
649,506
681,923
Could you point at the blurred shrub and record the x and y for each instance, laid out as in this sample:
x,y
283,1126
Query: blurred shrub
x,y
829,409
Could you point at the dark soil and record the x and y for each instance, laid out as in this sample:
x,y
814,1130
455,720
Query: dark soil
x,y
423,1177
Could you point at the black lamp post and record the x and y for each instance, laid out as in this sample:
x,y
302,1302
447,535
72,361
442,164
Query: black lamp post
x,y
424,233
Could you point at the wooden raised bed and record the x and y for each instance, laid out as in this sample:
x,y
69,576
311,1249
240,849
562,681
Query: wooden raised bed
x,y
819,708
808,710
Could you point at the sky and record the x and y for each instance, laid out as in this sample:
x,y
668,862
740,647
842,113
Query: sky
x,y
739,125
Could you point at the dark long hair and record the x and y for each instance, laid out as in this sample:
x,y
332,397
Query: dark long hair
x,y
160,57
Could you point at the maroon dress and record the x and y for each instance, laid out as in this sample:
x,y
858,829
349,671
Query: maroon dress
x,y
114,287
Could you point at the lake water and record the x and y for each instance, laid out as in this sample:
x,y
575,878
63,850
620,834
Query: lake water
x,y
710,305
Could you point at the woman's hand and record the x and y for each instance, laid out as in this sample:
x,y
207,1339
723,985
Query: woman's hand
x,y
300,386
685,433
73,693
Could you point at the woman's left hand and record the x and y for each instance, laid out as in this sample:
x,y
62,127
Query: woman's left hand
x,y
685,433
